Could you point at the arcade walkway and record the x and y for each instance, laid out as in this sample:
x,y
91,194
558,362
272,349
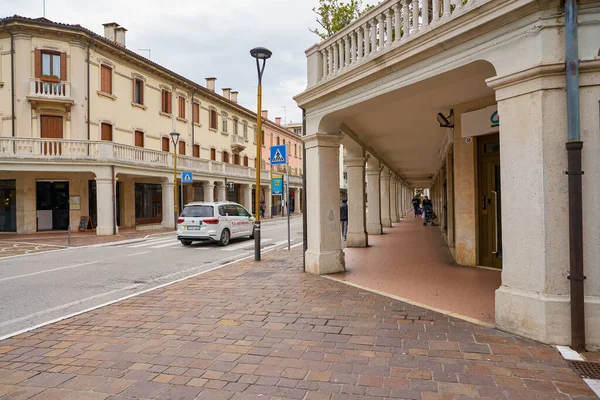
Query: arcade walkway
x,y
412,262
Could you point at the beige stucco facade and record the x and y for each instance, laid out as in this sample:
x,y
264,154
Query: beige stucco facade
x,y
498,185
92,85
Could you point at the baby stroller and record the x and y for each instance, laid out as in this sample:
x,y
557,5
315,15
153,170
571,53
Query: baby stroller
x,y
428,215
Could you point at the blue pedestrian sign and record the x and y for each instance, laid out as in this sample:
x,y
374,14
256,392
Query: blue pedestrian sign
x,y
187,177
279,155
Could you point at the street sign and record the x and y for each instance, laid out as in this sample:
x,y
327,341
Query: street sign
x,y
277,185
187,177
279,155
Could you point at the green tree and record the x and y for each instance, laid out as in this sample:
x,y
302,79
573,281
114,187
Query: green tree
x,y
335,15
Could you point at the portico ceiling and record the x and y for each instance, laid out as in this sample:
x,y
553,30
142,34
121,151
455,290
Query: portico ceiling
x,y
401,126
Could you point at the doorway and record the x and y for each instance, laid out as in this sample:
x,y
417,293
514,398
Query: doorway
x,y
8,210
52,128
489,201
52,206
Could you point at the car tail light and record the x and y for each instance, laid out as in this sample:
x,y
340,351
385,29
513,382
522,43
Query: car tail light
x,y
212,221
180,220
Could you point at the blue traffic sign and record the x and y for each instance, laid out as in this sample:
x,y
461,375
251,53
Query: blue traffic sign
x,y
279,155
277,185
187,177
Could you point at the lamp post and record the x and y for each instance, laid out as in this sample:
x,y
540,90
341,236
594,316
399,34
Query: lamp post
x,y
175,139
260,54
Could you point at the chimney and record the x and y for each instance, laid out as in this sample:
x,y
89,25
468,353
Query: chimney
x,y
265,114
120,36
278,120
234,96
211,83
227,93
109,30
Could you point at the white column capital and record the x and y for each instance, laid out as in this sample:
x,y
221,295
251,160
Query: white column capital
x,y
322,140
354,162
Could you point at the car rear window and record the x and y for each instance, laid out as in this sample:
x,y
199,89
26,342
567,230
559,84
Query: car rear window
x,y
197,211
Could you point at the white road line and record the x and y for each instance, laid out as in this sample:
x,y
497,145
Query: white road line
x,y
594,384
67,305
139,254
170,244
151,242
46,271
569,354
244,244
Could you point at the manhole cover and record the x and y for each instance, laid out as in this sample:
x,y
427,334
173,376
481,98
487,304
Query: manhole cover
x,y
587,370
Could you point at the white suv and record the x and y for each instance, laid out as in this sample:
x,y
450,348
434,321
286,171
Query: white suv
x,y
217,222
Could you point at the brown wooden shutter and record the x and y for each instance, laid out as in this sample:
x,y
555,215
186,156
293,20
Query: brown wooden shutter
x,y
142,84
170,102
139,139
107,132
182,147
134,81
38,63
213,154
165,144
197,150
197,113
63,67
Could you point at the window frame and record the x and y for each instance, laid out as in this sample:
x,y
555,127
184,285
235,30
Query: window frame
x,y
213,119
105,67
52,75
181,110
224,118
196,113
166,106
138,93
235,123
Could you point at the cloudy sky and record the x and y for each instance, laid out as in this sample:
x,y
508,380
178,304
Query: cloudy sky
x,y
202,38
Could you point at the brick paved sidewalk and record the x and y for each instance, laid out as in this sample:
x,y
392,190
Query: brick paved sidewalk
x,y
270,331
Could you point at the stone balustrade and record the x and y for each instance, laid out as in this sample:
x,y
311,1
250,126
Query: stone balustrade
x,y
59,90
389,25
37,149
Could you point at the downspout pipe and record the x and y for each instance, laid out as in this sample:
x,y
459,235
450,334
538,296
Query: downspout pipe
x,y
12,83
304,203
574,149
88,92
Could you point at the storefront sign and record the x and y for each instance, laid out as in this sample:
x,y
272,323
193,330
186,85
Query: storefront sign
x,y
75,202
480,122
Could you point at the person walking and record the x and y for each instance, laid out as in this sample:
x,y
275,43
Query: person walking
x,y
344,217
415,204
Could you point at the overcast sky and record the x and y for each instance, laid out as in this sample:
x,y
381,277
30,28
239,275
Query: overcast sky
x,y
203,38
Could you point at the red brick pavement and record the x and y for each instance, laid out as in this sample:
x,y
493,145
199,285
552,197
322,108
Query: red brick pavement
x,y
269,331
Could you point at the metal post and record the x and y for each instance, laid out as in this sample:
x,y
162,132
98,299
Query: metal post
x,y
258,170
574,149
287,202
69,237
181,193
175,199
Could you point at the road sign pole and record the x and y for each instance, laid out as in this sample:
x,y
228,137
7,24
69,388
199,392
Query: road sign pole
x,y
287,202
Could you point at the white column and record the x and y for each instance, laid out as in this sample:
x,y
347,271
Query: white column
x,y
347,50
393,215
248,198
397,25
446,8
325,63
221,191
353,47
450,186
367,43
386,220
168,205
388,28
340,44
436,10
268,201
415,18
104,201
357,213
324,254
373,196
209,192
361,43
425,13
381,28
373,35
406,18
331,63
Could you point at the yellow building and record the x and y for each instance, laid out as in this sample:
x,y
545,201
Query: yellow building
x,y
85,131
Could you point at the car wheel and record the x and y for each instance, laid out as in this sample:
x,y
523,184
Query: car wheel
x,y
225,236
186,242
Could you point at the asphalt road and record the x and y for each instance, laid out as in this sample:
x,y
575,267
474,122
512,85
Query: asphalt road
x,y
40,288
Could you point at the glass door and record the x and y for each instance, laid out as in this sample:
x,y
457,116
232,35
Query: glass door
x,y
8,209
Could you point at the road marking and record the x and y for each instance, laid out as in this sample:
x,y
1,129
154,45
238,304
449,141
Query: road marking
x,y
67,305
139,254
569,354
9,335
151,242
46,271
594,384
244,244
170,244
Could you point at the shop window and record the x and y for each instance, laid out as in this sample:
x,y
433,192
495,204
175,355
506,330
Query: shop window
x,y
148,203
8,211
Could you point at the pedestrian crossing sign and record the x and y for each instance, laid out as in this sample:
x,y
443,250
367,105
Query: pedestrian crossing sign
x,y
279,155
187,177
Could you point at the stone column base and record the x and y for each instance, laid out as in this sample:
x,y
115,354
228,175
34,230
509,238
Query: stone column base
x,y
545,318
326,262
357,240
374,229
386,222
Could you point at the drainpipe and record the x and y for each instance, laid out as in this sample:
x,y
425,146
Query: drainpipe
x,y
114,199
304,204
193,94
574,147
12,81
88,92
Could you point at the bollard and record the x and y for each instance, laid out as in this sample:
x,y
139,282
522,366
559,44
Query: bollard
x,y
69,236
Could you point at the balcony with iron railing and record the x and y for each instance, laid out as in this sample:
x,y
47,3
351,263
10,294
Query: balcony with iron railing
x,y
43,150
388,26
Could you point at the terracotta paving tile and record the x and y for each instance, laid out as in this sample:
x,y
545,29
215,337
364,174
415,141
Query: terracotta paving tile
x,y
232,335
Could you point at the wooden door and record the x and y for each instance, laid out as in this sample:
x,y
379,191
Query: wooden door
x,y
489,202
107,133
52,128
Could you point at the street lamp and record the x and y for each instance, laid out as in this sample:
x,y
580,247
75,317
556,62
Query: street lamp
x,y
260,54
175,139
